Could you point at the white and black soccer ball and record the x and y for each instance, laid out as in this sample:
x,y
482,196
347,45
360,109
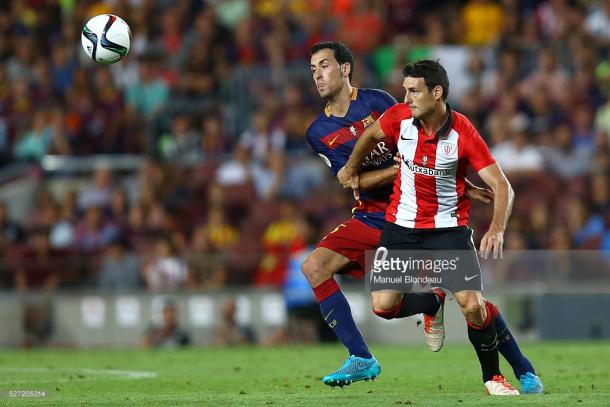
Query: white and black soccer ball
x,y
106,38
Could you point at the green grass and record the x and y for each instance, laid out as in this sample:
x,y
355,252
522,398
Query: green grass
x,y
573,374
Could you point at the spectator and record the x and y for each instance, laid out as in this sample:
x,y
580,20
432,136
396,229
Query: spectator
x,y
304,324
548,78
119,207
517,154
483,21
598,22
169,335
361,27
561,156
10,232
180,143
206,266
229,332
165,271
39,266
150,93
220,234
11,235
260,138
100,192
94,232
235,171
279,239
120,268
214,142
62,229
63,66
35,142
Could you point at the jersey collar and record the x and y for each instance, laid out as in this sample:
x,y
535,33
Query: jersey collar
x,y
328,111
445,128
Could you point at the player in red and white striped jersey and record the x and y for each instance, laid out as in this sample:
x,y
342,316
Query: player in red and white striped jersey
x,y
428,208
429,190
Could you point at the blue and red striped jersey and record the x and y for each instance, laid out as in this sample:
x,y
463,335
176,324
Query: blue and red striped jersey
x,y
333,138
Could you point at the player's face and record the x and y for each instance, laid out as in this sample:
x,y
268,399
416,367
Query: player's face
x,y
420,100
327,74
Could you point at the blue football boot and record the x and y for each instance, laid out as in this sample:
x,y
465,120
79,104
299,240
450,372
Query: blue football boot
x,y
354,369
531,384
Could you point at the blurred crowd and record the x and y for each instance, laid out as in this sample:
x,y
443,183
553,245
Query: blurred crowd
x,y
217,96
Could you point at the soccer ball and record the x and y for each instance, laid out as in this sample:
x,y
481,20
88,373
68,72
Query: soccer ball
x,y
106,38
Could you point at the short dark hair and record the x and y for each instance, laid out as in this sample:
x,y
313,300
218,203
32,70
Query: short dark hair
x,y
341,51
433,72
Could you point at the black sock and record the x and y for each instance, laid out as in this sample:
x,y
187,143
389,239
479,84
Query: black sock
x,y
415,303
485,343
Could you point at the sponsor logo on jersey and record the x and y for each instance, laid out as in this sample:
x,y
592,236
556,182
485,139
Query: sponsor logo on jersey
x,y
431,172
378,156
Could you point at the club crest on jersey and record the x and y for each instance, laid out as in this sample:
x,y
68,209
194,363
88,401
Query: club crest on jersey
x,y
424,161
447,150
367,121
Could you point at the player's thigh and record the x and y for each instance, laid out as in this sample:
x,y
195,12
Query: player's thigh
x,y
352,239
385,300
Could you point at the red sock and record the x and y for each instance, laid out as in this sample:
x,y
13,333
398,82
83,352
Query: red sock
x,y
326,289
492,313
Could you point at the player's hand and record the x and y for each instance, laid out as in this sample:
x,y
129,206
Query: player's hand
x,y
348,177
397,160
480,194
492,242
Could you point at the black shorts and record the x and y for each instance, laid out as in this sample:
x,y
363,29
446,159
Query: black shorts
x,y
395,237
443,243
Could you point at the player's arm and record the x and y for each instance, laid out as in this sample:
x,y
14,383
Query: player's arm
x,y
373,179
478,193
504,195
348,175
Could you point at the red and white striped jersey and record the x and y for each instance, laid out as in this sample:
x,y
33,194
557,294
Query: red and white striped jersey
x,y
429,190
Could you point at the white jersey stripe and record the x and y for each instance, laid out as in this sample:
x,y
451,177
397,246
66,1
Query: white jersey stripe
x,y
407,146
446,190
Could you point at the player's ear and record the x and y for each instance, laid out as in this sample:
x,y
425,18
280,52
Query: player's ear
x,y
437,92
346,68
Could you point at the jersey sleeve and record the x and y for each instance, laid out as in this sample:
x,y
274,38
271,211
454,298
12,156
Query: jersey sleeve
x,y
476,150
391,119
326,154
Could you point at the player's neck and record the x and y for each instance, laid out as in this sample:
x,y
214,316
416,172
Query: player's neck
x,y
435,120
339,104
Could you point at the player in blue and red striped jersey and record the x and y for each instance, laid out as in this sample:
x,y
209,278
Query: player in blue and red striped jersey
x,y
333,135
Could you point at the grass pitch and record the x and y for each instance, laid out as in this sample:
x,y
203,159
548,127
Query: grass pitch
x,y
573,374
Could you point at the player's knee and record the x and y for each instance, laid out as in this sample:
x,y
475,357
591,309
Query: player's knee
x,y
313,270
384,306
382,302
474,310
309,267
